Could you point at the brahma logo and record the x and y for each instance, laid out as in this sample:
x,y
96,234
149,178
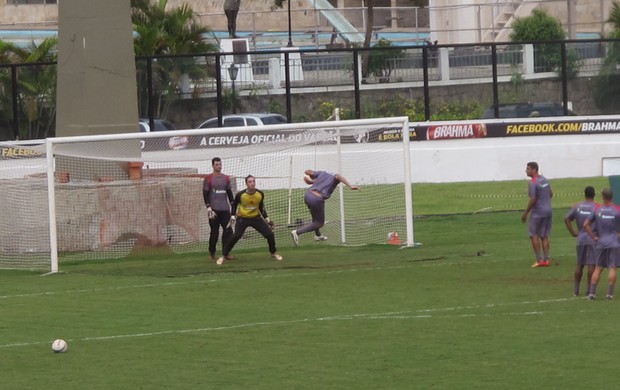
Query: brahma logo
x,y
455,131
176,143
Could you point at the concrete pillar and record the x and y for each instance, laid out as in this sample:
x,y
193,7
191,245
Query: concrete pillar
x,y
528,58
444,63
275,76
96,88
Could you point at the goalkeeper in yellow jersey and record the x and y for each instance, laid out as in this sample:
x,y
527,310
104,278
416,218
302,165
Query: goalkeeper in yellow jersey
x,y
247,210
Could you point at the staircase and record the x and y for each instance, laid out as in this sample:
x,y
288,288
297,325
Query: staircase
x,y
345,29
501,18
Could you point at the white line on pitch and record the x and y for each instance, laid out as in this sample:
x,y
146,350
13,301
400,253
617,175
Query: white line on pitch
x,y
346,317
201,281
492,305
252,275
86,290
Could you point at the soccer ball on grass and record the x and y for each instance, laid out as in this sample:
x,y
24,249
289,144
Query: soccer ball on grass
x,y
59,346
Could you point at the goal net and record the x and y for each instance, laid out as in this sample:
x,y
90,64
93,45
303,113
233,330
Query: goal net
x,y
112,195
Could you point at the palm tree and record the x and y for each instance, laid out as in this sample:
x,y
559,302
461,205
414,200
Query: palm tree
x,y
161,32
158,32
36,86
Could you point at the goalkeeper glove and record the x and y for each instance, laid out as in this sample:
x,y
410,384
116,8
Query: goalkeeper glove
x,y
232,223
271,224
210,213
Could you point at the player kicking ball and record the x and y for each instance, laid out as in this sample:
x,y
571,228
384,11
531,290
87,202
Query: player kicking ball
x,y
323,183
248,210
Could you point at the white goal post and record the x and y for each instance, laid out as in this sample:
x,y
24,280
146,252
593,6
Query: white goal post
x,y
109,195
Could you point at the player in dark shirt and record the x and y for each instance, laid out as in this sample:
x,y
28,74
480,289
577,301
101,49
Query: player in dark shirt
x,y
218,195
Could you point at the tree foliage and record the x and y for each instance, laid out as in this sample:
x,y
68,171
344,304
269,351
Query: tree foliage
x,y
161,32
158,32
537,27
606,89
382,60
36,86
541,27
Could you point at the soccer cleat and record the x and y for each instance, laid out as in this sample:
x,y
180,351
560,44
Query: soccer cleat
x,y
538,264
229,257
276,256
591,297
212,256
610,297
320,238
295,237
220,261
545,263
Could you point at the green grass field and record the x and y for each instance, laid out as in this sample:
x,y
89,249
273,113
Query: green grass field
x,y
462,311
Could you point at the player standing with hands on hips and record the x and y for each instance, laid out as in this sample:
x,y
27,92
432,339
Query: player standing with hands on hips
x,y
218,196
248,209
323,184
540,194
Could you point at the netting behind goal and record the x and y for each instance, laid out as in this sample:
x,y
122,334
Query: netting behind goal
x,y
24,231
114,195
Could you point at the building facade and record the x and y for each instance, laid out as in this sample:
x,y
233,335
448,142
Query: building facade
x,y
448,21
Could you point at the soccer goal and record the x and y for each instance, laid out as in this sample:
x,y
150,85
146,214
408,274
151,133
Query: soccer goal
x,y
106,196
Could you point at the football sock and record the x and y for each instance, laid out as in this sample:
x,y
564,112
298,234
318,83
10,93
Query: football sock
x,y
610,289
576,288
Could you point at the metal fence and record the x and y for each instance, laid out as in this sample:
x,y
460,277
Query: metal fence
x,y
296,82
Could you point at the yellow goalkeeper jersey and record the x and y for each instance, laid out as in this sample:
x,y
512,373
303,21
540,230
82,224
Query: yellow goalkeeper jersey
x,y
249,205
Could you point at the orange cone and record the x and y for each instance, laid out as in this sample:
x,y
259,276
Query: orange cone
x,y
393,238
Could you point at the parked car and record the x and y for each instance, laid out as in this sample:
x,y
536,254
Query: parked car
x,y
251,119
160,125
527,110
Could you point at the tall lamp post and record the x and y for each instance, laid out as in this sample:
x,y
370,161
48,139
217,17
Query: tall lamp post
x,y
233,71
290,38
